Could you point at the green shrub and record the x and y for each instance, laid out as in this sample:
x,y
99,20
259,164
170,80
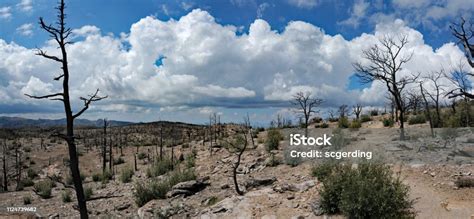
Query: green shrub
x,y
190,161
272,161
333,119
274,137
365,118
338,139
343,123
141,156
145,192
322,170
88,192
27,182
43,188
26,199
289,160
66,196
118,161
374,112
417,119
106,176
323,125
31,173
355,124
369,191
159,167
96,177
388,122
126,174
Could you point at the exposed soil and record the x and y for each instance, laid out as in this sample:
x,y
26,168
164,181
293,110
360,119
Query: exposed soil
x,y
425,164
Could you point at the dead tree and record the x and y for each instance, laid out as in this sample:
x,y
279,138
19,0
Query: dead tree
x,y
111,153
357,110
427,109
60,34
385,63
248,127
460,79
464,33
414,101
104,146
436,90
5,165
343,111
306,106
238,145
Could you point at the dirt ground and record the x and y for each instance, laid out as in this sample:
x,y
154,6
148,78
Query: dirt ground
x,y
425,164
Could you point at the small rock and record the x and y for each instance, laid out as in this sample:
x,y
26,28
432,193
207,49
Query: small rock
x,y
225,186
433,174
122,206
316,207
290,197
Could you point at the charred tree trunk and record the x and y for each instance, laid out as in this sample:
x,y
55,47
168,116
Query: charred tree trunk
x,y
427,112
5,171
60,34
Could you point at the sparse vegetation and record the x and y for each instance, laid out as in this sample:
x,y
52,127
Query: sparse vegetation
x,y
417,119
26,199
274,137
43,188
145,192
160,167
88,192
126,174
369,191
365,118
388,122
343,123
355,124
66,196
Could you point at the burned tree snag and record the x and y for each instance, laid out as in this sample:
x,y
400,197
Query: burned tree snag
x,y
60,34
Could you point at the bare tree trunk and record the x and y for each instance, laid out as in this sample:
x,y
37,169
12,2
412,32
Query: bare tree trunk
x,y
428,113
110,153
161,143
4,159
104,147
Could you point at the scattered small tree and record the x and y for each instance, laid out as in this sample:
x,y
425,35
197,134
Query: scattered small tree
x,y
306,105
357,110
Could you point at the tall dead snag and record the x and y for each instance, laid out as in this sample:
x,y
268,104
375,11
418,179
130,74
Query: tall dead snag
x,y
5,166
60,34
357,109
386,60
306,106
104,146
343,111
464,33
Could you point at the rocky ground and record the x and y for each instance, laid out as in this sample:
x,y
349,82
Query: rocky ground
x,y
429,166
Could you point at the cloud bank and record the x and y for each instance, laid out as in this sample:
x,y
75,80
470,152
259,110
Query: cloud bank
x,y
195,62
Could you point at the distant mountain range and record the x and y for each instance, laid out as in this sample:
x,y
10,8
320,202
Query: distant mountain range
x,y
18,122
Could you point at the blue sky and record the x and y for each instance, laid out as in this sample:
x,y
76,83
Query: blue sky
x,y
116,16
322,20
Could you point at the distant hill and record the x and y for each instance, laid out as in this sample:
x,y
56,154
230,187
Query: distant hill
x,y
18,122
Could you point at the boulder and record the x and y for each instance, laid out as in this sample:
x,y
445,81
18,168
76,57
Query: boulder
x,y
187,188
257,182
